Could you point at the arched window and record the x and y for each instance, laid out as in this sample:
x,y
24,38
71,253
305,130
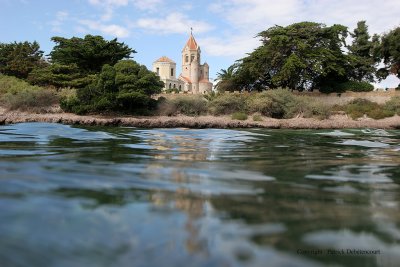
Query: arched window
x,y
174,86
172,72
180,87
192,58
186,58
169,86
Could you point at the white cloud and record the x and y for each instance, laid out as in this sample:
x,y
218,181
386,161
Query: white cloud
x,y
235,47
172,23
261,14
56,24
249,17
109,29
150,5
109,6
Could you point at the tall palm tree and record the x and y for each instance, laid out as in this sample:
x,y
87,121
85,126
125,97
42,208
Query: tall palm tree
x,y
226,79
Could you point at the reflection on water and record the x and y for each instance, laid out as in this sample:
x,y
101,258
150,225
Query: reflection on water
x,y
92,196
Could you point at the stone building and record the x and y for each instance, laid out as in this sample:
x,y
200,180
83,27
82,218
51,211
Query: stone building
x,y
166,69
194,77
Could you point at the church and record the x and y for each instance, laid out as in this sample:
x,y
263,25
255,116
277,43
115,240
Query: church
x,y
194,77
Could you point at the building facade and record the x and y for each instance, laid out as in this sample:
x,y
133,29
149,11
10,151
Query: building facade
x,y
166,69
194,77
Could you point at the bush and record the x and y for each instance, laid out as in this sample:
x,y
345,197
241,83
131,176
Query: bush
x,y
360,107
126,87
278,103
17,94
227,104
311,108
30,99
187,105
257,117
239,116
354,86
393,105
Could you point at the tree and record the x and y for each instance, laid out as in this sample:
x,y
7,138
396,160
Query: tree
x,y
59,76
125,87
89,53
363,63
390,53
19,59
226,80
300,56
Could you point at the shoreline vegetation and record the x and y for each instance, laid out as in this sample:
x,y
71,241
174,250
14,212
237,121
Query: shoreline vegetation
x,y
199,122
303,75
280,108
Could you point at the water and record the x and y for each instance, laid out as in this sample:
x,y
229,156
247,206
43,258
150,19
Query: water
x,y
92,196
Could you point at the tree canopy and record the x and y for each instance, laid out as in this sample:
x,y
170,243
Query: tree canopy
x,y
390,52
361,53
127,86
306,56
19,59
89,53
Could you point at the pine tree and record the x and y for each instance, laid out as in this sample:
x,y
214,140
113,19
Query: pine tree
x,y
361,57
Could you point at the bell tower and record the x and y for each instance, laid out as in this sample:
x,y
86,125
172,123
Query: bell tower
x,y
190,55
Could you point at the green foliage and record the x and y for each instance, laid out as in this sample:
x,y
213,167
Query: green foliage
x,y
191,106
19,59
282,103
227,81
17,94
360,107
354,86
60,76
390,52
300,56
361,54
89,53
186,105
239,116
393,105
257,117
125,87
227,104
172,90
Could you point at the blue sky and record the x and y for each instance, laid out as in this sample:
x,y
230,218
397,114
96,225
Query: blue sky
x,y
224,29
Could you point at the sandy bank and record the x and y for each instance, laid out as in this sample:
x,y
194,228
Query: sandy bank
x,y
335,122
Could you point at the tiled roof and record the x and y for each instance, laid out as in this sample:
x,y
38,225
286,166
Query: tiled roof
x,y
191,43
165,59
186,79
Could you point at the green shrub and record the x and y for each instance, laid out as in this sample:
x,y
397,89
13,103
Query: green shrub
x,y
257,117
227,104
393,105
239,116
259,103
278,103
354,86
186,105
172,90
360,107
312,108
17,94
68,103
191,105
30,100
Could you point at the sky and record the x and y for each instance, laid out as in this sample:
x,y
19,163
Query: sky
x,y
224,29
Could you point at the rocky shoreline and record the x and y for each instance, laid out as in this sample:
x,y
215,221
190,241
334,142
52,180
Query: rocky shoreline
x,y
334,122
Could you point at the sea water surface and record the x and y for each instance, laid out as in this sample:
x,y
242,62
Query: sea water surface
x,y
114,196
